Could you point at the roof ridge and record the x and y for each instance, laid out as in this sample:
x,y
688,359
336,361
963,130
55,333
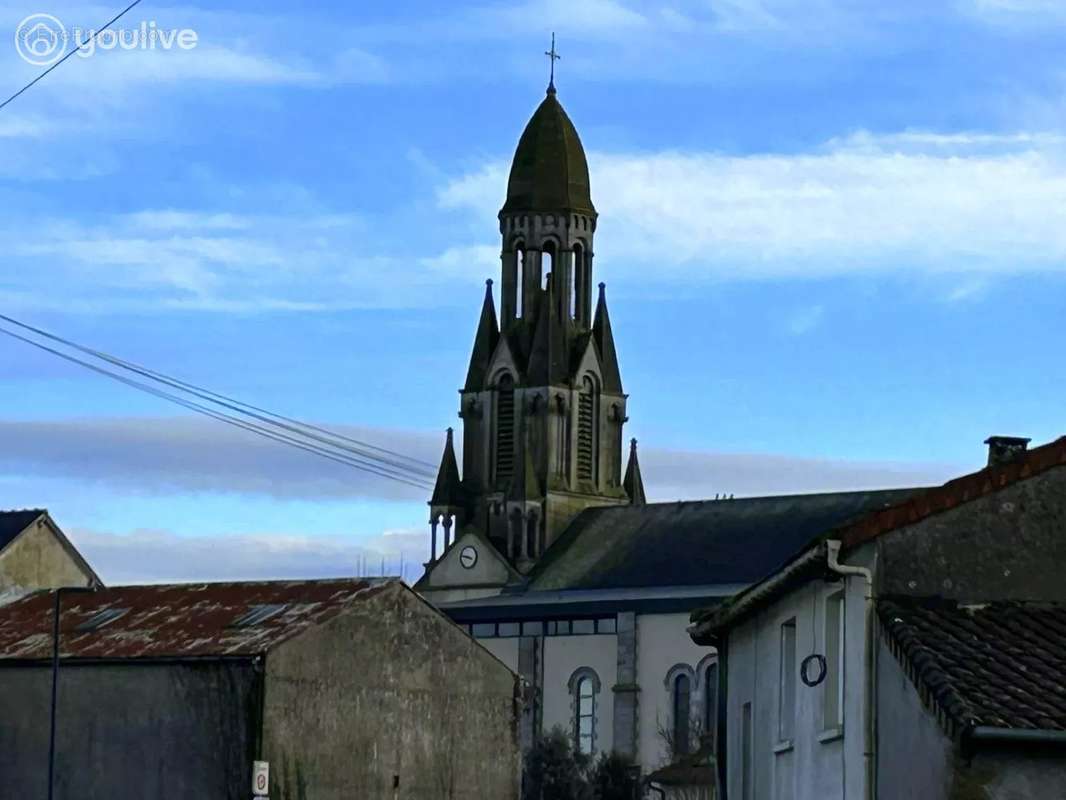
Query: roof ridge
x,y
955,492
845,493
248,582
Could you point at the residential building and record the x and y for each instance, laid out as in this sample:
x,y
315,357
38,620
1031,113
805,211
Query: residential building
x,y
35,554
347,688
914,653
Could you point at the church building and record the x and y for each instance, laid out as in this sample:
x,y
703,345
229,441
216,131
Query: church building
x,y
544,545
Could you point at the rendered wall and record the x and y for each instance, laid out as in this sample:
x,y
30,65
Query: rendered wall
x,y
389,700
1006,545
914,756
129,731
562,656
819,764
662,643
37,560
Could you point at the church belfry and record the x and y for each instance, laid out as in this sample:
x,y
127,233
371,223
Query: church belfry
x,y
542,405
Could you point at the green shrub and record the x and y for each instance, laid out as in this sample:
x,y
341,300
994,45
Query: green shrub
x,y
554,770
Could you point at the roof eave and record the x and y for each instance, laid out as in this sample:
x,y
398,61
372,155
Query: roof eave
x,y
708,625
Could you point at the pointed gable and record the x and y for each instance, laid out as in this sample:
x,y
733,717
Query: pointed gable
x,y
488,334
503,358
448,490
601,332
490,568
633,483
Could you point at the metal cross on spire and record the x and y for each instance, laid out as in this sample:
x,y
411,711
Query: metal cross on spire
x,y
553,56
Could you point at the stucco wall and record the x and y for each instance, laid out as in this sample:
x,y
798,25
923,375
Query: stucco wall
x,y
506,650
37,560
129,731
389,691
662,643
448,572
1007,545
1013,774
914,756
562,656
819,764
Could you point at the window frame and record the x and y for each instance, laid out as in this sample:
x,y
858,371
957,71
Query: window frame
x,y
584,677
834,638
673,675
786,682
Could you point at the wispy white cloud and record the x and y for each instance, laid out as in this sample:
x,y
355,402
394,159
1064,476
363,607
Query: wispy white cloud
x,y
907,203
212,261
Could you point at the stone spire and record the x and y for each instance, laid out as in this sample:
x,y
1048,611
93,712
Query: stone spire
x,y
448,491
633,483
488,334
601,332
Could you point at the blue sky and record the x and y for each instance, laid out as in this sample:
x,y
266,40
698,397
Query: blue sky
x,y
831,232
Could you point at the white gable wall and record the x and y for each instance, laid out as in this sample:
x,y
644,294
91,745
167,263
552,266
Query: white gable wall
x,y
564,655
818,764
663,643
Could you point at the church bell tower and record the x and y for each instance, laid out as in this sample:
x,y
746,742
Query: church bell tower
x,y
542,405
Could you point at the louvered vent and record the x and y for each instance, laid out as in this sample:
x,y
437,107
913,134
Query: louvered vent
x,y
585,428
505,430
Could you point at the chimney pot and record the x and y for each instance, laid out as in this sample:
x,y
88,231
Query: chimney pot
x,y
1005,449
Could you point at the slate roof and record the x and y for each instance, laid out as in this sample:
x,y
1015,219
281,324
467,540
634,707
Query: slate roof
x,y
694,543
177,620
12,523
908,510
999,665
549,171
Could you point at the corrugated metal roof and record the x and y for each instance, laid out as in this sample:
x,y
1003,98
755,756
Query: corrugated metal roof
x,y
186,620
12,523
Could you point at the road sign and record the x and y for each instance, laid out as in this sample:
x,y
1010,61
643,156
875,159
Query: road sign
x,y
260,778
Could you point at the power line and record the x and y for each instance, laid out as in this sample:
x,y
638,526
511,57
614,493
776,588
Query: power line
x,y
369,467
424,468
78,47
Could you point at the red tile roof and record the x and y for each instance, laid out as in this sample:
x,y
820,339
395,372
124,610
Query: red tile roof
x,y
953,493
998,665
176,620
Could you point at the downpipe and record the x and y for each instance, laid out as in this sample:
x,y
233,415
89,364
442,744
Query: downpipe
x,y
870,691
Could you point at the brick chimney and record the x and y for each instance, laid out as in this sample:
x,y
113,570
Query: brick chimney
x,y
1005,449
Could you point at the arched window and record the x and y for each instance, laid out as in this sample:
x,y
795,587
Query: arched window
x,y
586,430
520,277
504,428
682,708
710,700
547,263
577,297
584,687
